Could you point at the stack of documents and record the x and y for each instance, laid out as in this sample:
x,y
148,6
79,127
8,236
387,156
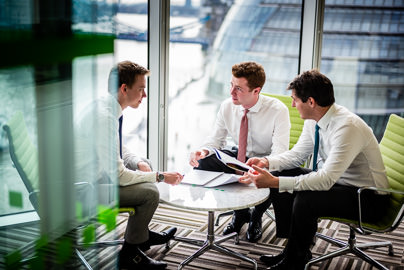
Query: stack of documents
x,y
209,178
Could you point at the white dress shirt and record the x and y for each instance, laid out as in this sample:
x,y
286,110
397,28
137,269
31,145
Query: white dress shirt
x,y
268,127
97,145
348,148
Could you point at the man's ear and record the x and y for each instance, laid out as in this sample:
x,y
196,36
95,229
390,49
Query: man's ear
x,y
257,90
122,89
311,101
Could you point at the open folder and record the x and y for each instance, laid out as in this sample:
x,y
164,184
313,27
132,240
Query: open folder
x,y
209,178
231,162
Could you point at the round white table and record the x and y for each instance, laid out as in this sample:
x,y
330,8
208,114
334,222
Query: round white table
x,y
222,198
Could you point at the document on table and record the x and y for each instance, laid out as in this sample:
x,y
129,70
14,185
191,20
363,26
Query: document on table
x,y
231,162
209,178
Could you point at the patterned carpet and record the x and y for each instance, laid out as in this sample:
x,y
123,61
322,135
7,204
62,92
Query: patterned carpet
x,y
194,224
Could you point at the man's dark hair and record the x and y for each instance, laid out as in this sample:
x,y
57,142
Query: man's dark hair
x,y
313,84
124,72
253,72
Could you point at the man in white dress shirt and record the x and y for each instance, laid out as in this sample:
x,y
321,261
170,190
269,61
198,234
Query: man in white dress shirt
x,y
351,159
137,189
268,134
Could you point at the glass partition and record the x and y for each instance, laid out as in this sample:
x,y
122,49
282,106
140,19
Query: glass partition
x,y
52,68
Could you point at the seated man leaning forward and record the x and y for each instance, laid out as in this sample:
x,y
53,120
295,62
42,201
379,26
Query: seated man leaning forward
x,y
265,127
300,196
137,189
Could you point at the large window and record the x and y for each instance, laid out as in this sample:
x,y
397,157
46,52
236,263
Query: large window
x,y
206,40
363,53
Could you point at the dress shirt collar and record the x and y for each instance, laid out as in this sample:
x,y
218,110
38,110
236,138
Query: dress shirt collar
x,y
115,105
326,119
254,108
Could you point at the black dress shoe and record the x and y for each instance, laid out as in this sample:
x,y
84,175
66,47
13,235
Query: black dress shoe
x,y
271,260
135,259
237,222
254,232
293,264
156,238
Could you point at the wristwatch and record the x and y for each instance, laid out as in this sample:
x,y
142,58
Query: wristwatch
x,y
159,177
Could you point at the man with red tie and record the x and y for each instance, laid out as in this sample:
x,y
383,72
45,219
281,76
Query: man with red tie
x,y
258,124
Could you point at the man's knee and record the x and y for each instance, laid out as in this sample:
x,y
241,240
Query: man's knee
x,y
152,192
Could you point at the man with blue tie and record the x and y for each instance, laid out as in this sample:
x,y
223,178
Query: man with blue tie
x,y
103,119
351,159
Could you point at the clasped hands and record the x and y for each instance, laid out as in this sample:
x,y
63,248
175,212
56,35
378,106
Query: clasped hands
x,y
259,176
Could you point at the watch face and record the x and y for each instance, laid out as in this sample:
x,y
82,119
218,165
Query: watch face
x,y
161,177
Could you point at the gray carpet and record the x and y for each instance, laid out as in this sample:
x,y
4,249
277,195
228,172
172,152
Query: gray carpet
x,y
194,224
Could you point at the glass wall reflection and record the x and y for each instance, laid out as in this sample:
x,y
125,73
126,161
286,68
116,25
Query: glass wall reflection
x,y
51,69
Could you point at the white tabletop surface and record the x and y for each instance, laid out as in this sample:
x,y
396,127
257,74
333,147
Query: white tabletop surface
x,y
227,197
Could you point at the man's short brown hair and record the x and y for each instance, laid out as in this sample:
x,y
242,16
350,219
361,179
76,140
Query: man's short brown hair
x,y
125,72
253,72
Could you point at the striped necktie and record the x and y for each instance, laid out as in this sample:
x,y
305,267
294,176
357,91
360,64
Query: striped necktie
x,y
315,152
242,140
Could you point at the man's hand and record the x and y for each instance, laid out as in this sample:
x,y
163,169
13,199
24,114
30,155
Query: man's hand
x,y
197,155
259,162
172,178
143,166
260,177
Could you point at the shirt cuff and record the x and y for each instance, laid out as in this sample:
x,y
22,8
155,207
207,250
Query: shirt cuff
x,y
273,164
286,184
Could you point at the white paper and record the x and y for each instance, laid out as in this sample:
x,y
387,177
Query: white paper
x,y
200,177
224,179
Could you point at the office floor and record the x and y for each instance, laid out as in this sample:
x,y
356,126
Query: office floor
x,y
194,224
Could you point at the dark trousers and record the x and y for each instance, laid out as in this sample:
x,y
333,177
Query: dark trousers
x,y
297,213
211,163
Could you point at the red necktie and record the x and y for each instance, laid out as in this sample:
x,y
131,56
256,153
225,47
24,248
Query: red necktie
x,y
242,140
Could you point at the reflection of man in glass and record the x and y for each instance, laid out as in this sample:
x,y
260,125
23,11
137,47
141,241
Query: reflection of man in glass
x,y
266,133
137,189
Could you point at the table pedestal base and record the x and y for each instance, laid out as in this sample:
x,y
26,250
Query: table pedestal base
x,y
210,243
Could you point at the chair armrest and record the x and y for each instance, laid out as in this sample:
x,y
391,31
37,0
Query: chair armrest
x,y
382,190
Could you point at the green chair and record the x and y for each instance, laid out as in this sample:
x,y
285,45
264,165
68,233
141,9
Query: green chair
x,y
296,123
24,155
392,149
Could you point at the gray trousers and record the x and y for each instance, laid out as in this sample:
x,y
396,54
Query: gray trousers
x,y
144,198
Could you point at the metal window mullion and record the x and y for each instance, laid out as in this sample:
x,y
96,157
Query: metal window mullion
x,y
312,30
158,36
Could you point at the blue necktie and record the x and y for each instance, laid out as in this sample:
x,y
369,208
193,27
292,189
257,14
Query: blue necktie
x,y
120,135
315,153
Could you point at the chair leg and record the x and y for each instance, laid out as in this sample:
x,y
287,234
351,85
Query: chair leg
x,y
350,247
83,260
336,253
388,244
331,240
270,214
228,213
367,258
